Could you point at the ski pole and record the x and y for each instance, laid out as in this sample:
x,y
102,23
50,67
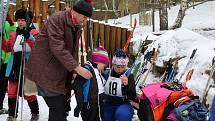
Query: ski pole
x,y
204,100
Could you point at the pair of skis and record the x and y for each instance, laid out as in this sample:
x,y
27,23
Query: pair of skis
x,y
188,69
171,70
130,36
189,64
138,62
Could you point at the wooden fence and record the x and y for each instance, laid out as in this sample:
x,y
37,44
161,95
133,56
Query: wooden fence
x,y
109,36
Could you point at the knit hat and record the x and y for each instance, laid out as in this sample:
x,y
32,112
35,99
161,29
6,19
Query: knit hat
x,y
24,14
100,55
83,7
120,58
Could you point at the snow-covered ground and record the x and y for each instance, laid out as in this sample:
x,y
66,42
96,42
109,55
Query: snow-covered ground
x,y
173,43
43,111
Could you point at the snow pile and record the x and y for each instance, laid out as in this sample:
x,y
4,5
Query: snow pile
x,y
181,42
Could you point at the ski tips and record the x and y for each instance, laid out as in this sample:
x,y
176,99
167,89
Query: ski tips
x,y
193,53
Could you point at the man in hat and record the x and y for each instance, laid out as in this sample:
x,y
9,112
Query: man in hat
x,y
22,37
54,58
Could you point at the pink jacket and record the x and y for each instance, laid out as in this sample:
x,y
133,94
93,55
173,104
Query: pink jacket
x,y
155,94
8,46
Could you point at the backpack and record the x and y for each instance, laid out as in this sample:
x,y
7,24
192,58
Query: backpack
x,y
82,90
193,110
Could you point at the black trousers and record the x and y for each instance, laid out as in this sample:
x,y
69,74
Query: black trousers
x,y
145,112
57,105
3,84
93,112
90,112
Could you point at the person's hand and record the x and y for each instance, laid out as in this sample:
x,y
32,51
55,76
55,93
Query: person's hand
x,y
23,32
124,79
74,76
19,31
26,33
83,72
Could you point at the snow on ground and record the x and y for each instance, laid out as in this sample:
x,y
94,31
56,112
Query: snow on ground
x,y
181,42
43,111
198,31
193,34
201,17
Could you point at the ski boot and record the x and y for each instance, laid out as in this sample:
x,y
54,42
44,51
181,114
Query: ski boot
x,y
34,117
11,118
3,111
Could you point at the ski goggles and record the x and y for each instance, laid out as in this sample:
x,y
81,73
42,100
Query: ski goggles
x,y
119,66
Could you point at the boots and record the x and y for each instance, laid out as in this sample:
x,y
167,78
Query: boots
x,y
12,106
34,110
11,118
34,117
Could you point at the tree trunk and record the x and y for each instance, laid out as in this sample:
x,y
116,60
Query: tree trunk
x,y
163,15
181,14
57,5
106,5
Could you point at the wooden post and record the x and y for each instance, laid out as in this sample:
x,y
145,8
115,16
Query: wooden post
x,y
112,39
44,10
37,12
86,38
124,37
107,38
95,34
57,5
31,8
118,38
128,33
153,16
101,33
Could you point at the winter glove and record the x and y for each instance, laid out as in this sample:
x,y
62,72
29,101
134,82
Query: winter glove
x,y
26,34
23,32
